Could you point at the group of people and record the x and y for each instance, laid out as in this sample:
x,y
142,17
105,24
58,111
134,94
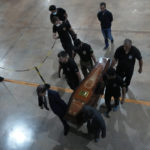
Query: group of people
x,y
115,80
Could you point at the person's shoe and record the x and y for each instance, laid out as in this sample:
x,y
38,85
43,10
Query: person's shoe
x,y
47,108
1,79
96,140
106,115
66,131
115,108
106,47
112,41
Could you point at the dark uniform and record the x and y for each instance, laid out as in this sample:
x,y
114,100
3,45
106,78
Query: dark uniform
x,y
85,51
95,122
64,35
113,89
126,63
70,69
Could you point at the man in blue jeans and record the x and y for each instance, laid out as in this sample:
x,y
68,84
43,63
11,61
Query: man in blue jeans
x,y
105,17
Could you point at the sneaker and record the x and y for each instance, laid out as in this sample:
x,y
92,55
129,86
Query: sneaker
x,y
115,108
96,140
106,47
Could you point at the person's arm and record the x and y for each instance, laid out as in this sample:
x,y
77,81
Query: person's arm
x,y
55,36
73,34
93,58
98,16
113,63
111,17
40,102
140,66
65,15
79,76
59,70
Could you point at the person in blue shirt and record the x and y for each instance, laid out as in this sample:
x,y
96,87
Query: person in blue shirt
x,y
105,17
58,106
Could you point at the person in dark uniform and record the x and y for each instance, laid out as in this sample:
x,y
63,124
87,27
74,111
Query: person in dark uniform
x,y
63,16
125,57
58,106
86,54
95,122
105,17
62,28
70,69
113,84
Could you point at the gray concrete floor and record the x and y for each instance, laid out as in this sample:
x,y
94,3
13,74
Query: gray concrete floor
x,y
26,37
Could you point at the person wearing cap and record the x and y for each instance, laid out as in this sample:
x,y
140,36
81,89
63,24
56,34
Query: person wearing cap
x,y
58,106
125,57
70,69
105,17
113,84
86,55
61,30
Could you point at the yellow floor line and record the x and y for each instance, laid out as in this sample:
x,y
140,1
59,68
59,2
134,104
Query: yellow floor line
x,y
66,90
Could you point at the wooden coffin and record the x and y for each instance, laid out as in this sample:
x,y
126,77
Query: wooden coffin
x,y
87,92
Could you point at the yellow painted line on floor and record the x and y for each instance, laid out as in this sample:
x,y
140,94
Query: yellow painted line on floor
x,y
66,90
35,85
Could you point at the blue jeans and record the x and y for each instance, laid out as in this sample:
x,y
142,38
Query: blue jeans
x,y
107,35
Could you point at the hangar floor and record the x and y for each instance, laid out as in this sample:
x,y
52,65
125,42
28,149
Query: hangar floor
x,y
26,38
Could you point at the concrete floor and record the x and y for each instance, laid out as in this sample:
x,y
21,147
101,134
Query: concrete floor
x,y
26,37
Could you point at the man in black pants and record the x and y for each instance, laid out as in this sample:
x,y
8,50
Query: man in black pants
x,y
87,56
125,57
105,17
63,29
113,84
58,106
70,69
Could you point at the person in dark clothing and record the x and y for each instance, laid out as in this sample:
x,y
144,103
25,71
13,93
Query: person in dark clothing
x,y
1,79
58,106
86,54
70,69
125,57
95,122
113,84
105,17
58,12
62,28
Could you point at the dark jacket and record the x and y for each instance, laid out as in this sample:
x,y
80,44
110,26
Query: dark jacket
x,y
105,19
97,121
58,106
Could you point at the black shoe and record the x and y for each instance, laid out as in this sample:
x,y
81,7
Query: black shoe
x,y
106,47
1,79
66,130
112,41
47,108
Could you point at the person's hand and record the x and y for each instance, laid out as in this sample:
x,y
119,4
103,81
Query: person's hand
x,y
122,101
140,70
